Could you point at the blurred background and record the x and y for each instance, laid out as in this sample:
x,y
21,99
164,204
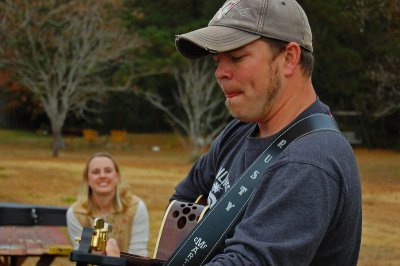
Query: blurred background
x,y
70,65
82,76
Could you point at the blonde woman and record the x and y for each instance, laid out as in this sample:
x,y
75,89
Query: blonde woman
x,y
103,193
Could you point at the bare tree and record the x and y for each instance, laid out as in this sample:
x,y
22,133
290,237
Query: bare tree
x,y
57,48
199,109
386,74
383,70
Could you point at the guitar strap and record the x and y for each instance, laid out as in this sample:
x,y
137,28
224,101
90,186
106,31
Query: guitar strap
x,y
202,242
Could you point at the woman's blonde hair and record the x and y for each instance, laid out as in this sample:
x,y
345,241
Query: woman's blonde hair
x,y
122,194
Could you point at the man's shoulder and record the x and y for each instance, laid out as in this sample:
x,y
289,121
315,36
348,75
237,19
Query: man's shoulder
x,y
328,151
322,142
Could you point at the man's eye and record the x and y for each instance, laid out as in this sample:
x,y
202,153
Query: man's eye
x,y
236,58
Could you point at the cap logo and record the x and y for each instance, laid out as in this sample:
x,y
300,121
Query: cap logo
x,y
225,9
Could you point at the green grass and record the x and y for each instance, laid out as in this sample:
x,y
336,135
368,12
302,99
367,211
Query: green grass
x,y
69,199
22,137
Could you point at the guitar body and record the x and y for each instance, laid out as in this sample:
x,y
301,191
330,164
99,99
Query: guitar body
x,y
179,219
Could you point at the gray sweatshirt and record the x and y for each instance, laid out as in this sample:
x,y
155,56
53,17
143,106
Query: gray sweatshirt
x,y
307,208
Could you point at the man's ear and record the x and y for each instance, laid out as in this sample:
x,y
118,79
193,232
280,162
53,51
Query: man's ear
x,y
292,58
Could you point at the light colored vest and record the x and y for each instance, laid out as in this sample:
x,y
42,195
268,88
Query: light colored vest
x,y
121,222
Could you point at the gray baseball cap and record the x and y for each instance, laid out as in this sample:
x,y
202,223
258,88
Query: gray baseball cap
x,y
240,22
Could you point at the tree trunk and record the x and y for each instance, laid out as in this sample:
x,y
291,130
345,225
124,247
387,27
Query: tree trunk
x,y
58,141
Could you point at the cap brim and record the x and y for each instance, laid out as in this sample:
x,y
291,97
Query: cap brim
x,y
212,39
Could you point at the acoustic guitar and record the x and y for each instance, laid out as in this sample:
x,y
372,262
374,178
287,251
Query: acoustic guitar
x,y
179,219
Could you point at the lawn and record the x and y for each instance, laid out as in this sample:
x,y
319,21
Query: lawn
x,y
28,174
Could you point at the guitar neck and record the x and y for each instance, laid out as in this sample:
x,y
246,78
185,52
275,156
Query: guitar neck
x,y
134,260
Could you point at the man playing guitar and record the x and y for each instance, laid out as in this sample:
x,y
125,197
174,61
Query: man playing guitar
x,y
307,208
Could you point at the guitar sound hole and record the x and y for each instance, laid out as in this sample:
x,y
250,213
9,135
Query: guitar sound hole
x,y
192,217
175,214
181,222
186,210
194,207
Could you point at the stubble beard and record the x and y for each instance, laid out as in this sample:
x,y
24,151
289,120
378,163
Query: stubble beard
x,y
271,92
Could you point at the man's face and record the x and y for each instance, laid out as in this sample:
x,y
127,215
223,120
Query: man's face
x,y
250,80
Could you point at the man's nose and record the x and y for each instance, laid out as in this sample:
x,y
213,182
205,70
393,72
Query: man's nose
x,y
223,70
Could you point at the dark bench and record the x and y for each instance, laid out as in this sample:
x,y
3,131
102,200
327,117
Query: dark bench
x,y
32,230
27,214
